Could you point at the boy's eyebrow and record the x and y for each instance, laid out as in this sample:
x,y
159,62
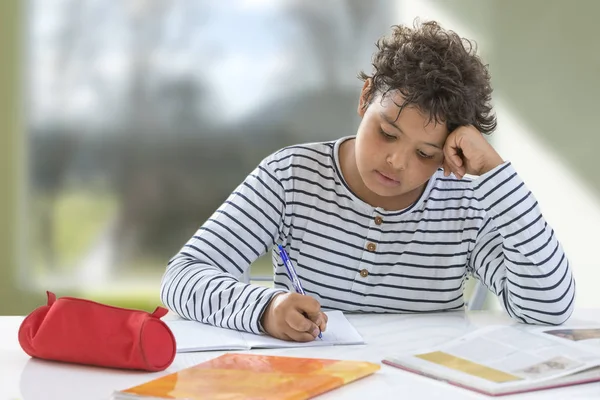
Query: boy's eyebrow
x,y
394,124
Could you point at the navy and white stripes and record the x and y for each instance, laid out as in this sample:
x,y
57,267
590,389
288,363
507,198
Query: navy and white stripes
x,y
354,257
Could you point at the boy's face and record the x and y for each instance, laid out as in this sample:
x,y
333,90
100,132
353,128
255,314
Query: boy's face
x,y
396,154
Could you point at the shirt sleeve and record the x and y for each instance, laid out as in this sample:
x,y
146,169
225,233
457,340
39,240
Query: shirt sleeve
x,y
516,253
202,281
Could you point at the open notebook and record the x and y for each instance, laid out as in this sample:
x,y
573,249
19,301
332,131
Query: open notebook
x,y
195,336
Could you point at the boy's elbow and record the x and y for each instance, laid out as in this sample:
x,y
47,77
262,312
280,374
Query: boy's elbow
x,y
165,285
565,314
543,319
561,316
548,314
550,317
168,281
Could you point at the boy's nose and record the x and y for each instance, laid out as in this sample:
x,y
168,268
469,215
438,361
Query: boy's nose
x,y
398,160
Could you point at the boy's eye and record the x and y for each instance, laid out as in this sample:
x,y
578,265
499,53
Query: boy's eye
x,y
424,155
386,135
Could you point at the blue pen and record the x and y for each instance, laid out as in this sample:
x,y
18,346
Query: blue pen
x,y
291,271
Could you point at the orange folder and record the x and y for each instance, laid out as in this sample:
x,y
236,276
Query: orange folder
x,y
242,376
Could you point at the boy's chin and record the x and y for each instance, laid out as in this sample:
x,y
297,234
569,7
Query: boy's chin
x,y
383,191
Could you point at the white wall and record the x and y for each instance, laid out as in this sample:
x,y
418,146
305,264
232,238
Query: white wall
x,y
565,190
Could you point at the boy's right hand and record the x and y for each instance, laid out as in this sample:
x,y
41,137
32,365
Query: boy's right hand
x,y
294,317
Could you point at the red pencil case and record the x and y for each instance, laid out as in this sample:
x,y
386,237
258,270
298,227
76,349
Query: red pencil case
x,y
86,332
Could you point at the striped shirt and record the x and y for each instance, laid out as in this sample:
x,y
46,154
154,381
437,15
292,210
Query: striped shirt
x,y
353,257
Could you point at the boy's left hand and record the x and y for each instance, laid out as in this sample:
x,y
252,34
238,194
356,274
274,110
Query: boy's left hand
x,y
467,152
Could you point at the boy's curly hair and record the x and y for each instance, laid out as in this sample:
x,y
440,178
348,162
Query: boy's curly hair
x,y
438,72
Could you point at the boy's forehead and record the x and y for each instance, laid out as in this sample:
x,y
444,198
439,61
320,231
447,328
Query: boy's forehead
x,y
392,109
392,103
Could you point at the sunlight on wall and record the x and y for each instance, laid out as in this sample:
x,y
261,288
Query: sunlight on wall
x,y
565,200
567,203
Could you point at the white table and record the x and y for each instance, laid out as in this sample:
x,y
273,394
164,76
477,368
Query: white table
x,y
24,378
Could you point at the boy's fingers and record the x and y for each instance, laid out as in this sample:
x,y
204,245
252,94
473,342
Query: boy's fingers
x,y
312,310
306,316
299,322
319,319
307,305
456,158
451,162
295,337
323,326
448,169
300,336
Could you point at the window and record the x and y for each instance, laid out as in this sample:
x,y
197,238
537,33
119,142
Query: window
x,y
144,115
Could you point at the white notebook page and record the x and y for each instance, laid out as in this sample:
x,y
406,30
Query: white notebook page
x,y
195,336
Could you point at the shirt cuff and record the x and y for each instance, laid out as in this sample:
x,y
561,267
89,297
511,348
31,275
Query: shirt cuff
x,y
263,307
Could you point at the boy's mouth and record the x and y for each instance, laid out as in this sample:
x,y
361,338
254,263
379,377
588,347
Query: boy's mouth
x,y
386,179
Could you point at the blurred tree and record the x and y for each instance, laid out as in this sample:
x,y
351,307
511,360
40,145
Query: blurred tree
x,y
153,130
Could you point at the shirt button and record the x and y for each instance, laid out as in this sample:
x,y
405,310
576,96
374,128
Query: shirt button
x,y
378,220
371,246
364,273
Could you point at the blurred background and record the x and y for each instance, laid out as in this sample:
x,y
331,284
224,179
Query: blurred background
x,y
125,124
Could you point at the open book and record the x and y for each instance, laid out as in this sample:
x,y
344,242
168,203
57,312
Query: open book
x,y
252,376
195,336
501,360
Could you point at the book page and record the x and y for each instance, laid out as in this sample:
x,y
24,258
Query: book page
x,y
339,332
583,336
196,336
500,357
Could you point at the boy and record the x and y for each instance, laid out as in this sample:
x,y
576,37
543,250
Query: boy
x,y
383,221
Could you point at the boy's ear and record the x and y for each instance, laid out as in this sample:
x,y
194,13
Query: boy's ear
x,y
365,97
